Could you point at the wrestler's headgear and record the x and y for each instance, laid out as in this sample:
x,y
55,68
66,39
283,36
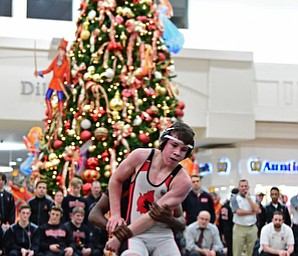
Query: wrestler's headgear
x,y
182,133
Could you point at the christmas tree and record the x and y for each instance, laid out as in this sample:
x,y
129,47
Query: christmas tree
x,y
120,97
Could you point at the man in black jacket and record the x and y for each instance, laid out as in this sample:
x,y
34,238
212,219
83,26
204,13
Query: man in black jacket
x,y
275,205
18,238
80,233
52,238
40,204
7,205
197,200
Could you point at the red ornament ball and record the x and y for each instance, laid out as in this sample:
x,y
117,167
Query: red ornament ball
x,y
181,105
90,175
85,135
179,112
144,138
86,188
57,144
92,163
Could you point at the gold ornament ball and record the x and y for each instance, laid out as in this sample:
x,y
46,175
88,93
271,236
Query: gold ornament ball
x,y
48,165
107,167
107,174
116,103
87,108
96,77
87,76
52,156
71,132
156,143
85,35
91,69
91,148
162,90
101,133
56,161
140,102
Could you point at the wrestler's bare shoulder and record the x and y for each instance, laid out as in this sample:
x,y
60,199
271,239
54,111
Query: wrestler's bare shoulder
x,y
140,152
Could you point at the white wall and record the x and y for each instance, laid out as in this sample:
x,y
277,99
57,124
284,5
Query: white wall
x,y
266,28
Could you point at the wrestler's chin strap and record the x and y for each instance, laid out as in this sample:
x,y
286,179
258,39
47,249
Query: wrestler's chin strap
x,y
122,233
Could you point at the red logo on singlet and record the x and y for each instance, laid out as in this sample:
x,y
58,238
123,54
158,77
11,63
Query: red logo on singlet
x,y
145,201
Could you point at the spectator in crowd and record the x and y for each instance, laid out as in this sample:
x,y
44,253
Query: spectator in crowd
x,y
18,238
275,205
73,199
245,209
294,211
80,232
202,237
226,223
276,237
40,204
52,239
58,198
7,205
261,216
95,193
197,200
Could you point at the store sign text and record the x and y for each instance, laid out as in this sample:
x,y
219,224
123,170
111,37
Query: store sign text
x,y
256,166
38,89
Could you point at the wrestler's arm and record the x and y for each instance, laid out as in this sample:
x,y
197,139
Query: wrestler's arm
x,y
97,215
164,214
126,168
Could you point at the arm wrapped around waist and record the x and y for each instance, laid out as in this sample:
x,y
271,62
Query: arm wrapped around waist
x,y
122,233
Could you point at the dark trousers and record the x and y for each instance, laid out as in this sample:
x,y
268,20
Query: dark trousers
x,y
295,232
269,254
15,253
195,253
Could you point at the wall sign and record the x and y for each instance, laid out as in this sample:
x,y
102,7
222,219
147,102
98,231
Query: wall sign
x,y
223,166
256,165
29,88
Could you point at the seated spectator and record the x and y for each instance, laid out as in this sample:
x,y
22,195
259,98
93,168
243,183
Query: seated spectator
x,y
202,237
52,238
18,238
79,232
276,238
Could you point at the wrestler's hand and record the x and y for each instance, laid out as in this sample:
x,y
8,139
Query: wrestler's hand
x,y
162,214
113,244
113,222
